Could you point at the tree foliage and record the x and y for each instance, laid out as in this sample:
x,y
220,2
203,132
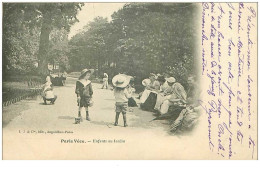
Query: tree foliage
x,y
90,48
59,49
141,38
26,32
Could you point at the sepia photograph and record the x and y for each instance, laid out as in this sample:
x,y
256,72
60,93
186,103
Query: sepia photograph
x,y
121,81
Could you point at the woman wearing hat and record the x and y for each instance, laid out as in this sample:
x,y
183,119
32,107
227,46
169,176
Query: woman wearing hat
x,y
151,85
150,102
122,94
165,92
84,92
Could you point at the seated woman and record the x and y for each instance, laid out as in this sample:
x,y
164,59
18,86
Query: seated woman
x,y
166,90
151,85
152,92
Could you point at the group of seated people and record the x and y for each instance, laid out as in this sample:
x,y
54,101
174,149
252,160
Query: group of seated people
x,y
161,93
168,98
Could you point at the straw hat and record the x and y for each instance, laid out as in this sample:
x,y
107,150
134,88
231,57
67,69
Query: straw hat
x,y
120,80
170,79
85,71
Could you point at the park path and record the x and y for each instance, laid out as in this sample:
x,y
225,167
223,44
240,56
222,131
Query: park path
x,y
37,131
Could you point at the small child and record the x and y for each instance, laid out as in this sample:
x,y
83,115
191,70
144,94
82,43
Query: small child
x,y
84,92
122,93
48,94
105,81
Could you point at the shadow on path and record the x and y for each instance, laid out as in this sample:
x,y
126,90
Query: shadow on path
x,y
12,111
66,117
108,124
142,119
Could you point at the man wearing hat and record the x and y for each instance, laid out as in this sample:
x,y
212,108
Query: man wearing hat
x,y
84,92
165,92
177,97
122,94
172,92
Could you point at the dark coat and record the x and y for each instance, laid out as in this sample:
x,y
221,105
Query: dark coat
x,y
85,93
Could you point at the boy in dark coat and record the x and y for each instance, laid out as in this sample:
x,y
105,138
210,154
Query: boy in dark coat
x,y
84,92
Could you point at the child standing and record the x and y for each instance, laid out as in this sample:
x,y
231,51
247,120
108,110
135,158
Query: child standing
x,y
84,92
105,81
121,93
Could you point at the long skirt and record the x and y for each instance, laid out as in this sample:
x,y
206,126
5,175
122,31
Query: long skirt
x,y
149,103
132,102
145,95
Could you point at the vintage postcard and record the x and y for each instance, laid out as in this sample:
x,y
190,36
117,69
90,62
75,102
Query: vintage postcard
x,y
129,81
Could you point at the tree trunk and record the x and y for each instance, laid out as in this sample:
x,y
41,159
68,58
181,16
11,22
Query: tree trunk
x,y
44,47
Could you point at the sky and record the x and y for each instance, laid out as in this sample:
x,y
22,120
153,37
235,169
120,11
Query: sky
x,y
90,11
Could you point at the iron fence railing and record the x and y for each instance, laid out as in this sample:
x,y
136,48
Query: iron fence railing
x,y
12,96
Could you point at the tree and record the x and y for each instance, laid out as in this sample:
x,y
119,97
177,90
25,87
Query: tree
x,y
90,47
20,42
59,15
156,37
141,38
59,49
44,16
